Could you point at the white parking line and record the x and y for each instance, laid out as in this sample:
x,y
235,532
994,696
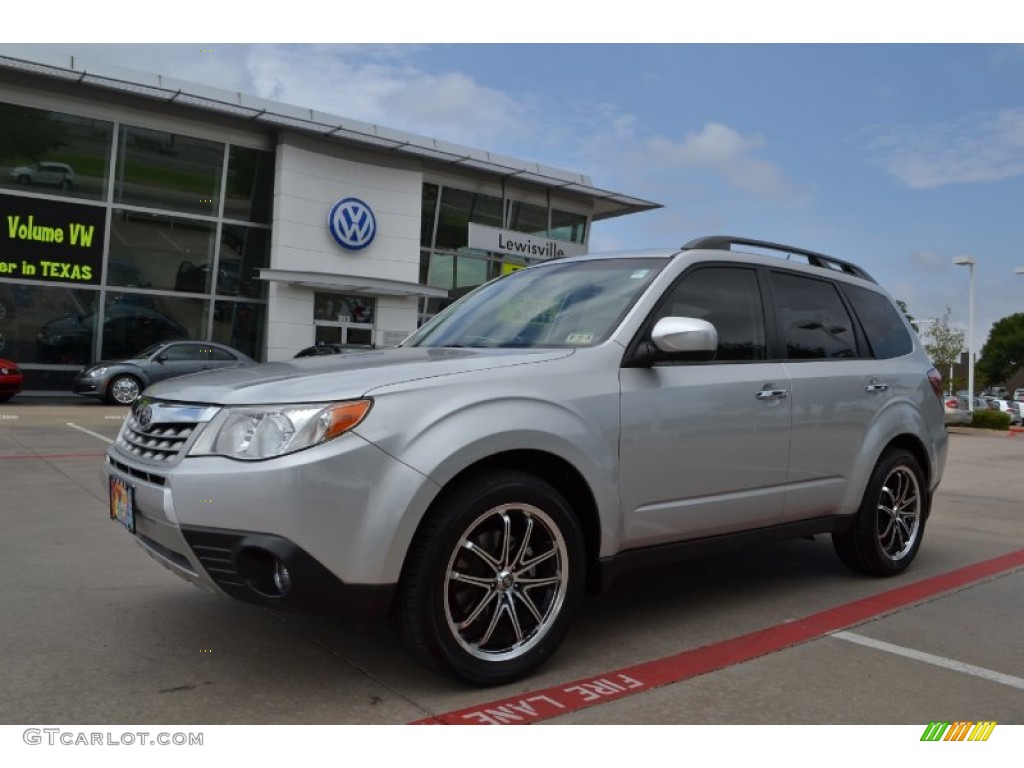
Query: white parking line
x,y
928,658
89,432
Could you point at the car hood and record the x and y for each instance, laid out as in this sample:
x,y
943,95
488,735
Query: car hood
x,y
337,377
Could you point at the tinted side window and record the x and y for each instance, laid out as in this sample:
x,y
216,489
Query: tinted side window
x,y
882,323
729,299
219,354
813,319
185,352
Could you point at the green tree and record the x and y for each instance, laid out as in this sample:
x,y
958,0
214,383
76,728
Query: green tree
x,y
903,308
946,343
1003,353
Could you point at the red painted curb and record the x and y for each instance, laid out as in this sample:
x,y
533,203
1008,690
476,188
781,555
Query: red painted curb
x,y
53,456
532,707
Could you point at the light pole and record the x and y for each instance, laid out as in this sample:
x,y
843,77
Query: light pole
x,y
969,263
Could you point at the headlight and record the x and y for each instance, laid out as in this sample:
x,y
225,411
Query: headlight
x,y
263,432
94,372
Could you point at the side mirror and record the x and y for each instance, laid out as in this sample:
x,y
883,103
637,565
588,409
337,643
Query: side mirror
x,y
162,357
679,338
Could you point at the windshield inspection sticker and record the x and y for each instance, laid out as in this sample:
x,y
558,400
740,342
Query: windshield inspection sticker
x,y
639,274
579,338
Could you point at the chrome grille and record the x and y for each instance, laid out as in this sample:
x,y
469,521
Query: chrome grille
x,y
159,442
161,433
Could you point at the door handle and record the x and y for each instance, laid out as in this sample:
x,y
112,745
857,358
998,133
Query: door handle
x,y
772,394
876,386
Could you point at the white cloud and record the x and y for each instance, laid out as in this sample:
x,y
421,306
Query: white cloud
x,y
973,149
725,152
930,260
383,85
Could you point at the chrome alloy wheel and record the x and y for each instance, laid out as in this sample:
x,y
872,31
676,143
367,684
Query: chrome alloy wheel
x,y
899,513
506,582
124,390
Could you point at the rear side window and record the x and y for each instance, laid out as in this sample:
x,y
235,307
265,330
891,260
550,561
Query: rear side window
x,y
882,323
813,318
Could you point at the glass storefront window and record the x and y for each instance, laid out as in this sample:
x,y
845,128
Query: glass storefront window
x,y
53,152
158,169
240,324
46,324
428,214
471,272
243,252
458,209
250,185
532,219
334,307
131,326
567,226
160,252
437,270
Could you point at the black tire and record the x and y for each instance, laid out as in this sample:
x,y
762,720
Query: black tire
x,y
123,389
5,396
24,179
889,525
492,579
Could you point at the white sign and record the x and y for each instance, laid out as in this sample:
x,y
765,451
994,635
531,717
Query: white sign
x,y
521,244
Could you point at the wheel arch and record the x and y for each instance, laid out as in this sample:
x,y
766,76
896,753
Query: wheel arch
x,y
552,469
913,445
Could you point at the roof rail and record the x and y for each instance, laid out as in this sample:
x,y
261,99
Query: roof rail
x,y
725,243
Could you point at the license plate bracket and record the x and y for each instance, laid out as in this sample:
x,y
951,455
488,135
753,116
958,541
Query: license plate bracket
x,y
122,503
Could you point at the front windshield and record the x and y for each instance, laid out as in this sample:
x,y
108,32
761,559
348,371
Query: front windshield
x,y
560,304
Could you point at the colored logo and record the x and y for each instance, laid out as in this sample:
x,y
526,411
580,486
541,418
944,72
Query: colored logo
x,y
958,731
352,224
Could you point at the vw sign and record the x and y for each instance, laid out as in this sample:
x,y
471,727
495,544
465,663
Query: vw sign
x,y
352,224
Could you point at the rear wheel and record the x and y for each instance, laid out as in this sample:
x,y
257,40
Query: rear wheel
x,y
890,522
492,579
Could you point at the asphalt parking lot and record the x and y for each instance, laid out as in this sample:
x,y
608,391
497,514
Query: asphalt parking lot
x,y
95,632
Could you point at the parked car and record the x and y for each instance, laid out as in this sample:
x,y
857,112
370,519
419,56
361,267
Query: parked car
x,y
127,328
52,174
11,379
1018,395
1006,406
318,350
120,382
956,411
553,429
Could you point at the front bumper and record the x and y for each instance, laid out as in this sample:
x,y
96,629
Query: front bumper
x,y
338,516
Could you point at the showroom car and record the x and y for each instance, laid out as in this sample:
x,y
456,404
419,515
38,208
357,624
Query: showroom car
x,y
554,429
51,174
120,382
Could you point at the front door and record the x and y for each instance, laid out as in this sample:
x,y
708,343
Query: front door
x,y
705,446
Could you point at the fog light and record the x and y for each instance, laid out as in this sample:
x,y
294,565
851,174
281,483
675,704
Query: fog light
x,y
282,579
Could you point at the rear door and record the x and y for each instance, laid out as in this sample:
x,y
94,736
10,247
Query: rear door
x,y
704,446
839,385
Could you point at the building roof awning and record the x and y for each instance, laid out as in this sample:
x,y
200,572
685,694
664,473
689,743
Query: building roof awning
x,y
375,286
276,115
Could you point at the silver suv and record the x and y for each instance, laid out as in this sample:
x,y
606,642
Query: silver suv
x,y
547,432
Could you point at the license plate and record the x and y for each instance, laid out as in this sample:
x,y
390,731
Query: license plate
x,y
122,503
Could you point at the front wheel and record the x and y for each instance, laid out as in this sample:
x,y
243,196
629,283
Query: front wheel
x,y
492,579
889,525
123,390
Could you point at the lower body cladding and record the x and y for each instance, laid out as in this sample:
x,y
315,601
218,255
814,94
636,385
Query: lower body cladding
x,y
318,531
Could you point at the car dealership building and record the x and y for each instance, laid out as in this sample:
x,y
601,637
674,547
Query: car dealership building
x,y
134,207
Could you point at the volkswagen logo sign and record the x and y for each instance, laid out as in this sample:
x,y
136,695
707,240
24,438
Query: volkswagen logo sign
x,y
352,224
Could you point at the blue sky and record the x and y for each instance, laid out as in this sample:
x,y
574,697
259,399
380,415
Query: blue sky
x,y
898,157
